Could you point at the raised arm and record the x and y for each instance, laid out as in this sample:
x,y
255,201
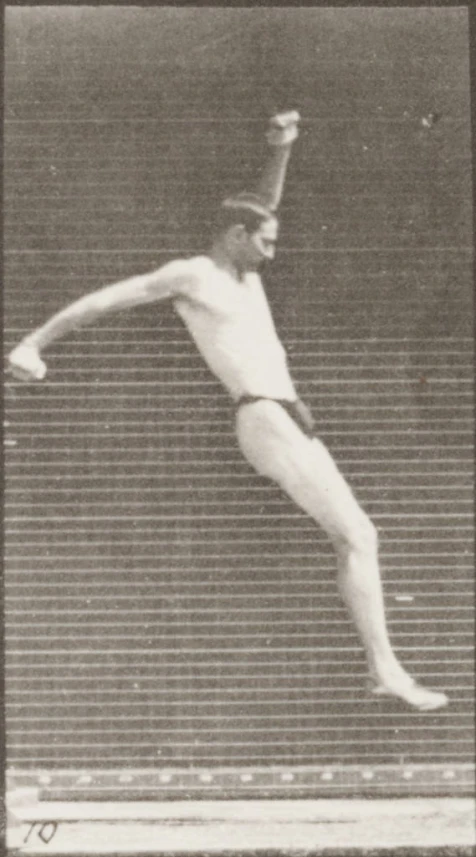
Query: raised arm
x,y
170,280
282,132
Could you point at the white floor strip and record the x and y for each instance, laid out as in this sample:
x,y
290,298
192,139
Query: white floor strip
x,y
236,826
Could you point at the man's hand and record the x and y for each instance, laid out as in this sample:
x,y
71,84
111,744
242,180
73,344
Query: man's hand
x,y
283,129
26,364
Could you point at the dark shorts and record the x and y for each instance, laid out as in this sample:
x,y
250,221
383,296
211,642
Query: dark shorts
x,y
297,410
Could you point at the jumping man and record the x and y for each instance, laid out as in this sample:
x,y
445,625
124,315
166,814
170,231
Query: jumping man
x,y
221,300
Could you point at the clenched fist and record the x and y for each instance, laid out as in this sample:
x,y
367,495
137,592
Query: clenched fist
x,y
283,129
26,364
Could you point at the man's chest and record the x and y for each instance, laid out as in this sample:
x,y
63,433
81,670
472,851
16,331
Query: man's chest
x,y
228,300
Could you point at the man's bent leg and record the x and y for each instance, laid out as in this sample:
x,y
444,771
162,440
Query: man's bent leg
x,y
305,470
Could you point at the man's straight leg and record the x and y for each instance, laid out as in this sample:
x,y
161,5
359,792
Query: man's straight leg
x,y
276,447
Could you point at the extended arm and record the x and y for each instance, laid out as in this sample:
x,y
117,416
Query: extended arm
x,y
168,281
282,133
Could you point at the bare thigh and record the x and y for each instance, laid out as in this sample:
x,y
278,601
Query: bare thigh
x,y
277,448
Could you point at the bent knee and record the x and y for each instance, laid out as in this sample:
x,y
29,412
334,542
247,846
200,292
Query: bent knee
x,y
361,536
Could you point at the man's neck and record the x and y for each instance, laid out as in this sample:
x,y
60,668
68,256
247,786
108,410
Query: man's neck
x,y
222,260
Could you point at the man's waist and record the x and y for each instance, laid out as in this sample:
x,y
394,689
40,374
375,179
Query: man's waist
x,y
249,398
295,407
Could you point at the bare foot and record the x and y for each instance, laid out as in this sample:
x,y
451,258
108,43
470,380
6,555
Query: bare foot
x,y
412,693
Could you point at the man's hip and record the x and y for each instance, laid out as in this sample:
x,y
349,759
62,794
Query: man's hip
x,y
296,409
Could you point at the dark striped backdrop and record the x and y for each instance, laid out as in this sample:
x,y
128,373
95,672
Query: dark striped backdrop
x,y
166,608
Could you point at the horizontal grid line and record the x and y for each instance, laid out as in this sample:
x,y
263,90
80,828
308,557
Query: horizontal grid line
x,y
214,610
295,336
109,425
289,760
229,120
261,540
229,490
440,340
86,457
175,695
330,407
180,468
168,692
228,557
275,663
149,683
267,596
264,537
325,565
176,744
195,573
406,555
15,419
75,166
463,248
179,701
419,353
230,650
293,516
276,598
422,502
226,649
91,449
91,435
256,730
233,516
220,401
462,461
205,717
209,409
189,587
233,477
362,361
130,397
267,626
195,375
160,422
149,426
215,490
35,760
168,353
436,676
355,674
396,613
190,382
377,371
286,703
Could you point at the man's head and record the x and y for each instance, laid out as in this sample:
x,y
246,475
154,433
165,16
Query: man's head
x,y
248,230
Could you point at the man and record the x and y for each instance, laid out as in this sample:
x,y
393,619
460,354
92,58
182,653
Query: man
x,y
221,300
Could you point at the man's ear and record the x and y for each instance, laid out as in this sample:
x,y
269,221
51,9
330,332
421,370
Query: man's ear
x,y
237,231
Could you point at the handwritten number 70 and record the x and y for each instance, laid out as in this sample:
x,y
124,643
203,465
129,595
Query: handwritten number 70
x,y
45,830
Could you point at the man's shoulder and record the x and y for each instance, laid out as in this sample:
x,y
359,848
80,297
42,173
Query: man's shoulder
x,y
190,263
199,266
191,270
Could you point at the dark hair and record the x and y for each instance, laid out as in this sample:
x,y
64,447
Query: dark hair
x,y
245,208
